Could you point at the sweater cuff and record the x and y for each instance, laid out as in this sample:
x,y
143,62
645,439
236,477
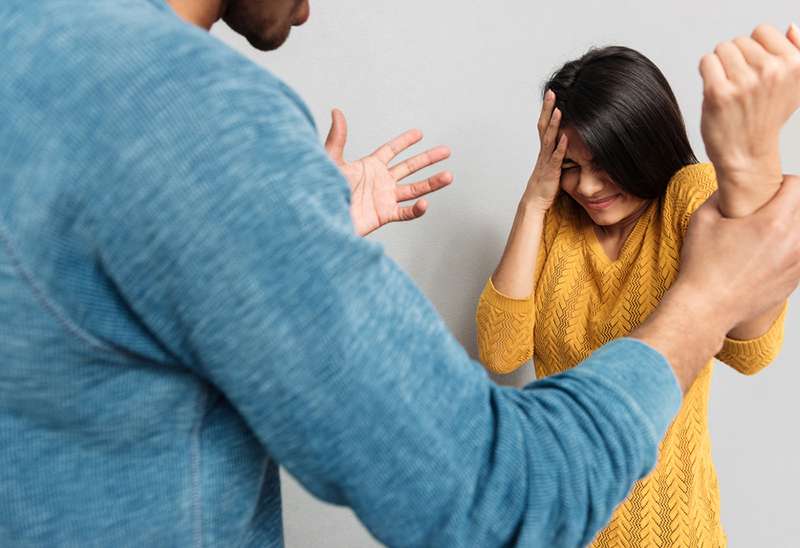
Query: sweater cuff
x,y
759,350
644,377
505,303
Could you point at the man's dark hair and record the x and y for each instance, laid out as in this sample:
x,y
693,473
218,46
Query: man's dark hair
x,y
623,108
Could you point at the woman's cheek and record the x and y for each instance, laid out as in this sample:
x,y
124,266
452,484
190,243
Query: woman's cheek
x,y
568,182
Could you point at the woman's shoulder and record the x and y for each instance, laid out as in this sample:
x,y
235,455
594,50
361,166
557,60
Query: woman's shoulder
x,y
687,190
691,182
563,215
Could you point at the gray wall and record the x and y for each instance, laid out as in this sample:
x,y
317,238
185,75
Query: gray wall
x,y
468,73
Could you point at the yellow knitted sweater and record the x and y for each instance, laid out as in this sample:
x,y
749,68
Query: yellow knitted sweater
x,y
582,300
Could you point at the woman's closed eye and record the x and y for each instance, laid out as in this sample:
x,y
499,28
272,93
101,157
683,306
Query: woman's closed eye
x,y
568,165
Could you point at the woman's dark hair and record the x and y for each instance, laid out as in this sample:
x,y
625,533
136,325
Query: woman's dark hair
x,y
622,107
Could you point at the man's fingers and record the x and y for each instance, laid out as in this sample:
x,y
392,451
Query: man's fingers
x,y
404,193
337,136
420,161
773,40
387,152
786,201
546,113
410,213
709,211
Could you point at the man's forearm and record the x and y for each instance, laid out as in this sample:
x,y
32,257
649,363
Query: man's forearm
x,y
686,331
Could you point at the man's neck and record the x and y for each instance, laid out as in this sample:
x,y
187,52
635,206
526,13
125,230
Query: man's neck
x,y
203,13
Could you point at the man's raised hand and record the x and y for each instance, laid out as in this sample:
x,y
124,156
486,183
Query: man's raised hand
x,y
375,186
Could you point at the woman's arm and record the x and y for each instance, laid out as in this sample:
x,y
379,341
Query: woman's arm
x,y
750,174
514,275
506,314
505,324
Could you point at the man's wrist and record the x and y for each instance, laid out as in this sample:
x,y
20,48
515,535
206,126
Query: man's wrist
x,y
685,330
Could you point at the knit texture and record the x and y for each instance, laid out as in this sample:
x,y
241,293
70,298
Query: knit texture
x,y
582,300
184,305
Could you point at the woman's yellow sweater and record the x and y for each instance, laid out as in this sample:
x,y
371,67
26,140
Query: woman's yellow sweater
x,y
583,300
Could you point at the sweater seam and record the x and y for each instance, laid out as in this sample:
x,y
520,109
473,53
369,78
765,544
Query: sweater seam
x,y
48,304
196,479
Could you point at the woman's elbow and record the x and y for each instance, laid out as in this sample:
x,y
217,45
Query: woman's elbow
x,y
502,364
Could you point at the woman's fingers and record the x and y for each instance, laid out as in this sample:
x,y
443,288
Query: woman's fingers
x,y
793,34
420,161
753,52
715,82
558,155
551,132
734,64
404,193
546,113
773,41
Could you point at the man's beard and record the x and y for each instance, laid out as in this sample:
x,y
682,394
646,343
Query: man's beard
x,y
262,32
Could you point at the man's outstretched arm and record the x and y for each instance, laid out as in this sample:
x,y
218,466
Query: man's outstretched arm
x,y
235,248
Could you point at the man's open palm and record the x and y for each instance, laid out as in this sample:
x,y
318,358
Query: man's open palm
x,y
375,188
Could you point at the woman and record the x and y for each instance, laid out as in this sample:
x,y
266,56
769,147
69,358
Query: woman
x,y
595,244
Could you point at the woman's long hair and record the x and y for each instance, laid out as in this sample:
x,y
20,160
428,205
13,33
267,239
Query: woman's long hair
x,y
623,108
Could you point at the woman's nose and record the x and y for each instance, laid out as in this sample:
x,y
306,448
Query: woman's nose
x,y
589,184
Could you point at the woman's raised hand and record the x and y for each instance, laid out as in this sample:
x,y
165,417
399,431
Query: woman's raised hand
x,y
751,86
544,182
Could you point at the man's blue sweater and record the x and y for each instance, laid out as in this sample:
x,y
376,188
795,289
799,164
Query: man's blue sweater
x,y
184,306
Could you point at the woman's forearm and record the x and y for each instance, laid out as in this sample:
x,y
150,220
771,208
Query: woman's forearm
x,y
514,276
741,195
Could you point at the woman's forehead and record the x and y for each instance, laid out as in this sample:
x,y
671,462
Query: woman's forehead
x,y
577,150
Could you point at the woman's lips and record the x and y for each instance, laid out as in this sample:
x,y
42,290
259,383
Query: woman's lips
x,y
601,204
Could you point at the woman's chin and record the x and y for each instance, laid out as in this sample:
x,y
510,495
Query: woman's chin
x,y
602,218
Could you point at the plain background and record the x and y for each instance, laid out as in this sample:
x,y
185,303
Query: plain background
x,y
468,73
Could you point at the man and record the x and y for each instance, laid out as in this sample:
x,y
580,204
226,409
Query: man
x,y
184,304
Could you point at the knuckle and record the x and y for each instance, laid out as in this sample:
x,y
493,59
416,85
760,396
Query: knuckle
x,y
760,31
704,60
742,41
716,96
747,85
702,217
772,70
776,226
793,65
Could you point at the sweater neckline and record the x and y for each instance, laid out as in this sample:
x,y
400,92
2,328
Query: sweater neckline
x,y
590,236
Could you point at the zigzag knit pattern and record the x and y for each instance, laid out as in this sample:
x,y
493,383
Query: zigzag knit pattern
x,y
582,300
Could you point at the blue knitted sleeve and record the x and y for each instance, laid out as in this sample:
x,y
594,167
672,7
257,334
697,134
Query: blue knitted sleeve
x,y
230,240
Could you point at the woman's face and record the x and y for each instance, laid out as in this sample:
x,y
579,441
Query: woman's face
x,y
605,202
